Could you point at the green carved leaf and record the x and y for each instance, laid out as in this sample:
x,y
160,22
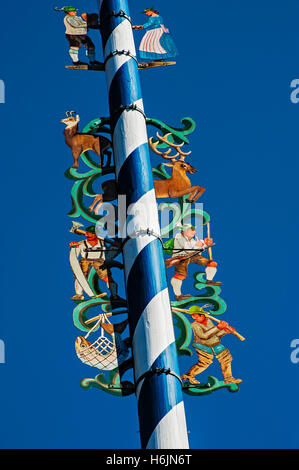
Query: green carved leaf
x,y
177,134
211,386
81,311
185,334
87,184
111,382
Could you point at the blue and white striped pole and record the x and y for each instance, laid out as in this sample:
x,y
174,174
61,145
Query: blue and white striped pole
x,y
158,387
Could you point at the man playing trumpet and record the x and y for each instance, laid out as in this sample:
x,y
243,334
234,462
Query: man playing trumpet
x,y
207,345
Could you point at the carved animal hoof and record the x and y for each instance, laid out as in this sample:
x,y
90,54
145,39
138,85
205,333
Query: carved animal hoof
x,y
75,166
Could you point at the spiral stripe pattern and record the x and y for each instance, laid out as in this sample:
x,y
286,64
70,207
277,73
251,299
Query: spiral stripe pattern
x,y
160,403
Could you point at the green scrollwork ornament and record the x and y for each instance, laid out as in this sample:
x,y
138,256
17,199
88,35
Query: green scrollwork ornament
x,y
86,184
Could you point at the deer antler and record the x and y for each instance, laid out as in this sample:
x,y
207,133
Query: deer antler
x,y
170,144
153,146
182,154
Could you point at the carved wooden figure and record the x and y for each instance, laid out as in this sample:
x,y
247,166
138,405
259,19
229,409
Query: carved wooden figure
x,y
80,143
179,184
207,343
156,44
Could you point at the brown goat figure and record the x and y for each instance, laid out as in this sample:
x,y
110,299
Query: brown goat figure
x,y
178,184
80,143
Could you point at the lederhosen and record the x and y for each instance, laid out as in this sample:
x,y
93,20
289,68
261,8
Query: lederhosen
x,y
87,263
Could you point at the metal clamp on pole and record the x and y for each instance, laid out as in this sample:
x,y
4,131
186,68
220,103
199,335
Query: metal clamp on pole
x,y
132,107
147,231
158,371
122,52
115,14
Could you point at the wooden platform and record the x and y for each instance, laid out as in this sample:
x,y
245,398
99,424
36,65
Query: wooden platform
x,y
150,65
101,67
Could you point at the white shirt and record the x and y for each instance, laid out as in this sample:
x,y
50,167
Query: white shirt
x,y
181,242
75,25
90,255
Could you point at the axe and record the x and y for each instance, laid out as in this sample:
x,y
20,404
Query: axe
x,y
75,227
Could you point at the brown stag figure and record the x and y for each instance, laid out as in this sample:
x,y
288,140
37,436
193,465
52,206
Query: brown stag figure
x,y
80,143
179,184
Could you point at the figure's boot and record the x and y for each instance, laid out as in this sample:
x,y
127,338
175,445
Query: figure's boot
x,y
211,270
225,360
91,54
177,285
204,360
79,292
74,55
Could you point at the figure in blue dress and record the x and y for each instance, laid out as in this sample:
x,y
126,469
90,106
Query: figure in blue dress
x,y
156,44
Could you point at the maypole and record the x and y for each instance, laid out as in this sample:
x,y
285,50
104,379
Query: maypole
x,y
158,384
147,307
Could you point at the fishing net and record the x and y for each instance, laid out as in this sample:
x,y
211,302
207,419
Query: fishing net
x,y
103,353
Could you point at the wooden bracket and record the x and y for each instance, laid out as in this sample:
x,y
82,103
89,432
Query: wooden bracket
x,y
101,66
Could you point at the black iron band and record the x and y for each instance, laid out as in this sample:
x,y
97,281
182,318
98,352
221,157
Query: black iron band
x,y
122,52
129,107
115,14
148,231
158,371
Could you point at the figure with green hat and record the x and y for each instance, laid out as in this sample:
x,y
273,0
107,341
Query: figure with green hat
x,y
156,44
92,251
207,344
76,28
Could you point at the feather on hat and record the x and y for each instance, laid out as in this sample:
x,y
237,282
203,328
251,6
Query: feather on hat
x,y
148,9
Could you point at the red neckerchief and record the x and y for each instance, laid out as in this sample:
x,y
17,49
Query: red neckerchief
x,y
92,238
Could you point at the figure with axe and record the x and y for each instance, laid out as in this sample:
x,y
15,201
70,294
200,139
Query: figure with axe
x,y
92,252
207,344
187,249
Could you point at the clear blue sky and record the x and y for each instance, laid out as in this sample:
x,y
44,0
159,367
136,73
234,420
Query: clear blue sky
x,y
236,62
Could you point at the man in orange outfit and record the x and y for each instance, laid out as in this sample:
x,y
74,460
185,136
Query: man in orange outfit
x,y
186,240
